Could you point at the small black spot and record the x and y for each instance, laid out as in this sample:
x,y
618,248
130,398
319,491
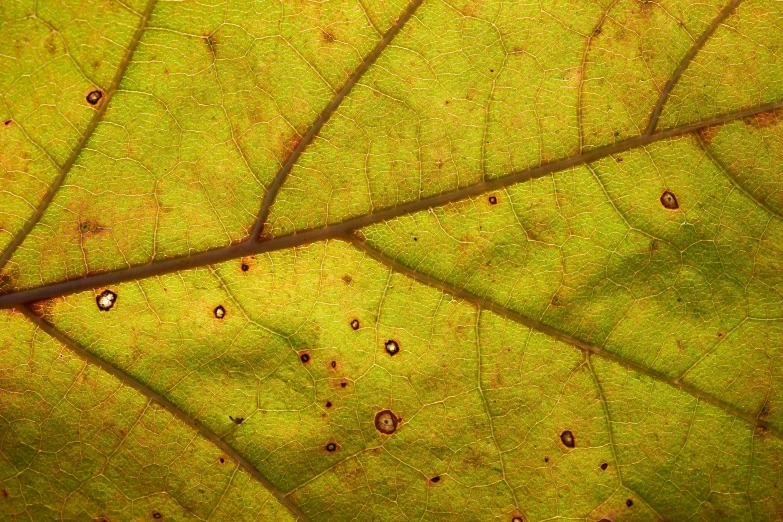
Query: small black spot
x,y
604,466
237,420
492,70
546,459
415,238
355,324
629,502
245,267
156,515
435,479
334,364
567,438
343,384
392,348
493,200
328,404
220,312
305,357
669,200
106,300
222,460
386,422
679,299
616,134
94,97
331,447
7,123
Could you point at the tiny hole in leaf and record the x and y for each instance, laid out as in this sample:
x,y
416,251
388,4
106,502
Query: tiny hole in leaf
x,y
567,438
669,200
94,97
156,515
355,324
493,200
386,422
220,312
106,300
392,348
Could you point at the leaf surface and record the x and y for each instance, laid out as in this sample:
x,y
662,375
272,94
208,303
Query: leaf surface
x,y
363,260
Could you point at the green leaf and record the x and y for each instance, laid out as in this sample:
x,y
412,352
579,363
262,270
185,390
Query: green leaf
x,y
370,260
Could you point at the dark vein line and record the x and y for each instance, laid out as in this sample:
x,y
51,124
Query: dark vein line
x,y
69,163
686,62
726,172
557,334
247,248
308,138
131,382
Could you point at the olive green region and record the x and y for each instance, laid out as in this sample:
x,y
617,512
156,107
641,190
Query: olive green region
x,y
482,401
695,293
211,105
77,444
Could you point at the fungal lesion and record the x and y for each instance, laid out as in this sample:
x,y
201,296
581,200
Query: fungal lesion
x,y
669,200
386,422
106,300
94,97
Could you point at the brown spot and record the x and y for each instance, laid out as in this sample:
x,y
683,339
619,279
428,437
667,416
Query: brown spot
x,y
618,159
156,515
386,422
94,97
219,312
244,267
720,334
546,459
106,300
567,438
90,228
493,200
764,119
222,460
327,36
4,493
343,384
604,466
328,404
669,200
304,357
392,348
7,122
707,134
355,324
211,42
237,420
629,502
347,279
333,364
331,447
447,102
435,479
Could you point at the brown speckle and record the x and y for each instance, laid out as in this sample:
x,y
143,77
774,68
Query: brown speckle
x,y
328,404
629,502
333,364
219,312
7,122
327,36
386,422
567,438
392,348
347,279
4,492
669,200
106,300
604,466
94,97
546,459
304,357
493,200
355,324
343,384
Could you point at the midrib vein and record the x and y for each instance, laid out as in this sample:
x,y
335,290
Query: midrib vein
x,y
96,119
169,406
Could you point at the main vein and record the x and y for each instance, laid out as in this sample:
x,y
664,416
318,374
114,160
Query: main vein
x,y
96,119
130,381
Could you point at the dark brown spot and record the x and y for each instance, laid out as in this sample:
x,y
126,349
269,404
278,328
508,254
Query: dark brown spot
x,y
94,97
435,479
245,267
629,502
7,122
355,324
493,200
219,312
237,420
4,493
546,459
347,279
305,357
331,447
447,102
604,466
327,36
328,404
386,422
333,364
106,300
156,515
343,384
669,200
392,348
567,438
222,460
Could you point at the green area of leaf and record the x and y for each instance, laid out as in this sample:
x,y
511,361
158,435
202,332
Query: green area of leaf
x,y
367,260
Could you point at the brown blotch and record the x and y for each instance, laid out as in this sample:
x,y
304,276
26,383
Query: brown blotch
x,y
435,479
219,312
386,422
604,466
237,420
669,200
327,36
94,97
392,348
764,119
304,357
493,200
355,324
44,307
567,438
629,502
707,134
331,447
106,300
